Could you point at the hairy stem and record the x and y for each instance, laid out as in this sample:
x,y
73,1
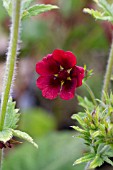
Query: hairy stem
x,y
11,58
108,73
2,159
91,93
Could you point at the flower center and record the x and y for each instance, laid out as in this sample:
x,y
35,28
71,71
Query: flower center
x,y
62,75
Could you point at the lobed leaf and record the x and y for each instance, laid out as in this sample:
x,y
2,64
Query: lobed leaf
x,y
23,135
5,135
12,115
105,12
37,9
98,161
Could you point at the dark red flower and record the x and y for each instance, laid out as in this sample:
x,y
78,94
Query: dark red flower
x,y
59,75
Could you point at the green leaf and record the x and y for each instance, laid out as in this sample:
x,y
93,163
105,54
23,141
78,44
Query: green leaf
x,y
95,134
37,9
106,159
105,12
5,135
109,153
26,3
23,135
102,149
98,161
12,115
85,103
78,129
8,6
98,15
85,158
105,6
79,119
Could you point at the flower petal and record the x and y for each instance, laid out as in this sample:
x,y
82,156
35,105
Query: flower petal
x,y
66,59
47,66
68,89
78,73
49,85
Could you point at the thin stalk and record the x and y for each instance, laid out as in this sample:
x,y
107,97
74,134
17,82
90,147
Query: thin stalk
x,y
2,159
108,73
91,93
11,58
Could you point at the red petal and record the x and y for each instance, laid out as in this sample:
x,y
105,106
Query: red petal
x,y
47,66
49,85
78,73
68,89
65,59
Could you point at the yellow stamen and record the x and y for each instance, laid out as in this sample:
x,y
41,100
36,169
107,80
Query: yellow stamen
x,y
68,78
61,68
56,75
69,70
62,82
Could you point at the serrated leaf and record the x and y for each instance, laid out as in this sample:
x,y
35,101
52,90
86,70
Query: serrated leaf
x,y
105,12
98,161
106,159
12,115
5,135
25,136
8,6
85,158
37,9
98,15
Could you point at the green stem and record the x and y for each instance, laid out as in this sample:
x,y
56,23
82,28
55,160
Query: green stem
x,y
11,58
91,93
108,73
2,159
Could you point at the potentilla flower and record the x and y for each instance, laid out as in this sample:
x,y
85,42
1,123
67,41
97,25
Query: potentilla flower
x,y
59,75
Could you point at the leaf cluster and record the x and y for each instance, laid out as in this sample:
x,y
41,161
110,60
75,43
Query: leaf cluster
x,y
27,10
105,11
96,130
10,124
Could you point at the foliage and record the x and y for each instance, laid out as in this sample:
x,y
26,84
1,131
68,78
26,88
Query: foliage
x,y
11,119
56,152
37,9
12,115
105,13
27,10
97,130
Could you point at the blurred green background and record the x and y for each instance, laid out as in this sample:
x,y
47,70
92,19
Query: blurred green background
x,y
49,121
